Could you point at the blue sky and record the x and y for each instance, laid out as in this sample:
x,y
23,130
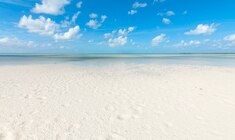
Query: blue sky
x,y
117,26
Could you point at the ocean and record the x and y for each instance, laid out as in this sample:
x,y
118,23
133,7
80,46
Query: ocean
x,y
112,59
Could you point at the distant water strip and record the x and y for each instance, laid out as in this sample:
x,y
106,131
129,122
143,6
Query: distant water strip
x,y
103,59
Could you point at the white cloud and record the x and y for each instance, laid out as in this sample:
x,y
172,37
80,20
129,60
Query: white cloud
x,y
202,29
166,20
158,39
132,42
130,29
135,6
94,23
53,7
4,40
119,41
16,2
154,1
170,13
160,14
65,23
75,16
68,22
93,15
189,43
139,5
125,32
194,42
72,32
118,38
230,37
109,35
47,27
41,25
132,12
90,41
103,18
15,42
79,4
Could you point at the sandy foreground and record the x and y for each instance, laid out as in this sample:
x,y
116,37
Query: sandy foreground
x,y
121,102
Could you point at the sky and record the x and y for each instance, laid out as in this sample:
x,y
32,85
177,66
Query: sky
x,y
117,26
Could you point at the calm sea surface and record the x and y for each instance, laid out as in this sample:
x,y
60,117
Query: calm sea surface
x,y
111,59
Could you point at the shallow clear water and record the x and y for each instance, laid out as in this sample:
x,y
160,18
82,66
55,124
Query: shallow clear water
x,y
110,59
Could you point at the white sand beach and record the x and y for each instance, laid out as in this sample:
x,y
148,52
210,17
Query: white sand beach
x,y
121,102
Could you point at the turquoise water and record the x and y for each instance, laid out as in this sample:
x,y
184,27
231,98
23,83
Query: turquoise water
x,y
110,59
